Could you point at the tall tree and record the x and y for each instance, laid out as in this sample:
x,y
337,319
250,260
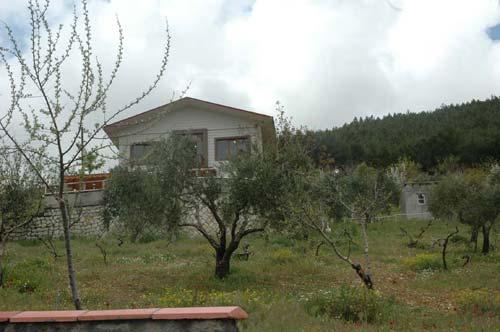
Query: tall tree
x,y
469,132
65,122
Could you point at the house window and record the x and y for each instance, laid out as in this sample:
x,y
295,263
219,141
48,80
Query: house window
x,y
199,139
421,199
231,147
139,151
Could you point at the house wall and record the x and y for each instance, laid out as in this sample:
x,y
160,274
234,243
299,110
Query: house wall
x,y
218,125
409,201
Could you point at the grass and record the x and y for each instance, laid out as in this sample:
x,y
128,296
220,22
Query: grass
x,y
283,285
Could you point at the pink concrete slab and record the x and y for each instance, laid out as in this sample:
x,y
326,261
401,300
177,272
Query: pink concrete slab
x,y
201,313
5,315
117,314
46,316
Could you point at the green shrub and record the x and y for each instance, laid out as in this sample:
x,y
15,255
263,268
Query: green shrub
x,y
282,256
479,301
353,304
420,262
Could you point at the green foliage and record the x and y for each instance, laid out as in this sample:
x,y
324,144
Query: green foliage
x,y
424,261
406,170
246,196
132,196
366,191
469,132
352,304
147,197
472,197
20,196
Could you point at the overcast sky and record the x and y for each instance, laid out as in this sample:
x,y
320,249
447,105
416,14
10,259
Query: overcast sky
x,y
326,61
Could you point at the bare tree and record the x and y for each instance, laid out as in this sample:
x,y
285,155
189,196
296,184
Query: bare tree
x,y
413,240
48,243
62,123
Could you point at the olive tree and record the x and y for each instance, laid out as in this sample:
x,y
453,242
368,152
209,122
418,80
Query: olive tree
x,y
243,199
63,114
20,199
471,197
147,194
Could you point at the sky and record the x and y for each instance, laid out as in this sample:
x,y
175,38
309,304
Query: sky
x,y
326,61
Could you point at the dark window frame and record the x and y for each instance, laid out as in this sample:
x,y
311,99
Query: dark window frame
x,y
421,199
145,144
231,138
204,147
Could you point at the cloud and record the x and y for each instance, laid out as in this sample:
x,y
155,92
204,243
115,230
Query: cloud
x,y
326,61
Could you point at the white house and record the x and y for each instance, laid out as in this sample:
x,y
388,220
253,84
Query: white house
x,y
219,131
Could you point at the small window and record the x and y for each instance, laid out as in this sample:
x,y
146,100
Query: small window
x,y
139,151
421,199
227,148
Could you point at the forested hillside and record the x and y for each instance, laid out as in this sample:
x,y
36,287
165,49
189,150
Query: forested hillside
x,y
470,132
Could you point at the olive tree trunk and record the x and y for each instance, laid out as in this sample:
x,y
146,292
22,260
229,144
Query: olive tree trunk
x,y
223,259
474,236
486,239
222,264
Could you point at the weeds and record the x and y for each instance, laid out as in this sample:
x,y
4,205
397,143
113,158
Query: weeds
x,y
424,261
351,304
479,301
278,286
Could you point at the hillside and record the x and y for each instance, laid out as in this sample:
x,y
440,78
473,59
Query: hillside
x,y
469,131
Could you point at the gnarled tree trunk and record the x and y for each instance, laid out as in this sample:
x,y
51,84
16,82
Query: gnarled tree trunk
x,y
222,264
223,259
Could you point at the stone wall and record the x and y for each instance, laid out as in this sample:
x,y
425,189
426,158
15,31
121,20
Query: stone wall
x,y
85,221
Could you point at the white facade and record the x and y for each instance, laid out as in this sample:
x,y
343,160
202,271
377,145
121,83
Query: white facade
x,y
191,115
